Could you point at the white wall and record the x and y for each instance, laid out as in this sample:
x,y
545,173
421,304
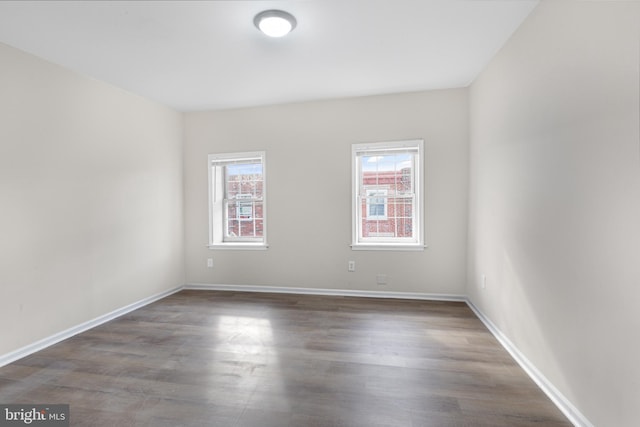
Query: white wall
x,y
308,149
91,199
555,201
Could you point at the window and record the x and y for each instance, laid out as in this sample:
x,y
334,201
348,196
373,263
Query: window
x,y
376,204
237,194
387,202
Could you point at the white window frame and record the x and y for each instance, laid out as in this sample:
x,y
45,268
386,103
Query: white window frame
x,y
218,203
358,242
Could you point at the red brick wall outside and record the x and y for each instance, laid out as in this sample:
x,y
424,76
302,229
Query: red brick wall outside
x,y
245,218
398,221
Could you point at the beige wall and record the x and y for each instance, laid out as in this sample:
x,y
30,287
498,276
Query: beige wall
x,y
555,200
91,199
308,148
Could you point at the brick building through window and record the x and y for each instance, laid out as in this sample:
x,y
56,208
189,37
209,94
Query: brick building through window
x,y
387,208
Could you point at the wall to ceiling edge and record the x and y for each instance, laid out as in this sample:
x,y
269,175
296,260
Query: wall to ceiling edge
x,y
554,216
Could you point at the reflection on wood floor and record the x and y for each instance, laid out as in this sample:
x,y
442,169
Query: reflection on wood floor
x,y
209,358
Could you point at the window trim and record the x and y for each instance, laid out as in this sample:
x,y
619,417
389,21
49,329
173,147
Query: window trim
x,y
217,205
396,244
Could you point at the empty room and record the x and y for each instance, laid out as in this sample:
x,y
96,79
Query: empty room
x,y
320,213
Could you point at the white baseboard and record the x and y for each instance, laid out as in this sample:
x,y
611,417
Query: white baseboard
x,y
60,336
68,333
328,292
567,408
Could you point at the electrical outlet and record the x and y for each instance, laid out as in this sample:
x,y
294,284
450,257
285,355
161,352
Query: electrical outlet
x,y
381,279
352,266
484,281
210,262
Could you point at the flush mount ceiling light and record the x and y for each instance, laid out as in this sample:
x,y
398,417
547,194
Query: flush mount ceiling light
x,y
275,23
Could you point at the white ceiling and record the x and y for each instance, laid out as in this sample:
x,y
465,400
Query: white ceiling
x,y
195,55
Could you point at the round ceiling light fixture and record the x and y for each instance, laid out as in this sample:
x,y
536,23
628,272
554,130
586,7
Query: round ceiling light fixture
x,y
275,23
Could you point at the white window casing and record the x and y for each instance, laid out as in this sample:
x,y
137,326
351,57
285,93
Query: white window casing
x,y
387,195
237,200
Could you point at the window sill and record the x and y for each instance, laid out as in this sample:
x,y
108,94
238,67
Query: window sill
x,y
386,247
239,246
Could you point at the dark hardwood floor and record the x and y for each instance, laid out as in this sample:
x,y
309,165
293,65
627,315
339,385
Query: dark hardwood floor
x,y
205,358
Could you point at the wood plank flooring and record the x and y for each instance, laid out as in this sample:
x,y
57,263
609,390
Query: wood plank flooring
x,y
209,358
